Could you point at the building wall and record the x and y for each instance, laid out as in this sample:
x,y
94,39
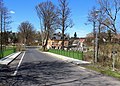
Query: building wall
x,y
56,44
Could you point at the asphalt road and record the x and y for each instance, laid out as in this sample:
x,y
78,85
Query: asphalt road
x,y
39,69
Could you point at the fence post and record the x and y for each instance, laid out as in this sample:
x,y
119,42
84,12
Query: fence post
x,y
69,53
1,53
82,55
60,51
78,54
14,50
73,53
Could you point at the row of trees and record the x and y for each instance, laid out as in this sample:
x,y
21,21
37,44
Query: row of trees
x,y
53,17
4,24
27,34
4,21
104,20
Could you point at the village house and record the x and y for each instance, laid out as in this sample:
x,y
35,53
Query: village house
x,y
56,41
78,44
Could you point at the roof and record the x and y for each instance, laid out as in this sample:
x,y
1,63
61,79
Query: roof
x,y
82,40
58,36
75,41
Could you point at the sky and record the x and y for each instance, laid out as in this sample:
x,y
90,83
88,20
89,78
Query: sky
x,y
24,10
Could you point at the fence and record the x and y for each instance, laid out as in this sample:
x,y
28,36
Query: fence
x,y
68,53
7,51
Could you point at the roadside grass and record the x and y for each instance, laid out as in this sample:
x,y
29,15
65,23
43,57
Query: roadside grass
x,y
68,53
7,51
105,71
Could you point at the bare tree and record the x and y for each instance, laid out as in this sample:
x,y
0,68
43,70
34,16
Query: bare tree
x,y
6,24
97,17
65,20
104,17
38,37
111,9
3,23
48,15
26,32
1,29
92,18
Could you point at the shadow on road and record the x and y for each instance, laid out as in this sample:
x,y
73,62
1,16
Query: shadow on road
x,y
52,73
39,73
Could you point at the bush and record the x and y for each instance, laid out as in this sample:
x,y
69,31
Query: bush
x,y
106,56
88,56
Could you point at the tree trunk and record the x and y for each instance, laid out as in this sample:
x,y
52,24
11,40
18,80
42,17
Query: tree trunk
x,y
98,45
1,49
94,42
46,41
63,38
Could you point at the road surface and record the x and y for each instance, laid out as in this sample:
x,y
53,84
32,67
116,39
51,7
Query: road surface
x,y
39,69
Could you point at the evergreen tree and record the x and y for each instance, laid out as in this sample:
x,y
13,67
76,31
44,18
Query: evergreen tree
x,y
75,35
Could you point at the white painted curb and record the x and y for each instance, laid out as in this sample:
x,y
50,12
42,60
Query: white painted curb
x,y
68,59
6,60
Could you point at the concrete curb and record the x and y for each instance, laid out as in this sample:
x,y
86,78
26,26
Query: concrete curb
x,y
8,59
68,59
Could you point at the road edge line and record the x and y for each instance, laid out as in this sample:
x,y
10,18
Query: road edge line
x,y
15,72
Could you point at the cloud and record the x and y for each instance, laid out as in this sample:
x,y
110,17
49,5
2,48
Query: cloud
x,y
12,12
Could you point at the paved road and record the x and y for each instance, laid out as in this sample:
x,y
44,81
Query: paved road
x,y
38,69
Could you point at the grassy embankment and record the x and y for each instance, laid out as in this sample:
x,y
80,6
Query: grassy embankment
x,y
7,51
104,70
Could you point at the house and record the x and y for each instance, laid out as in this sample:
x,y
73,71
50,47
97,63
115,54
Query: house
x,y
78,44
56,41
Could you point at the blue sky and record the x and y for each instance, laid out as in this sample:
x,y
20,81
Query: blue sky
x,y
25,11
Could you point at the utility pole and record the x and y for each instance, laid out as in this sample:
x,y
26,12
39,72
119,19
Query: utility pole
x,y
95,15
94,41
96,46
